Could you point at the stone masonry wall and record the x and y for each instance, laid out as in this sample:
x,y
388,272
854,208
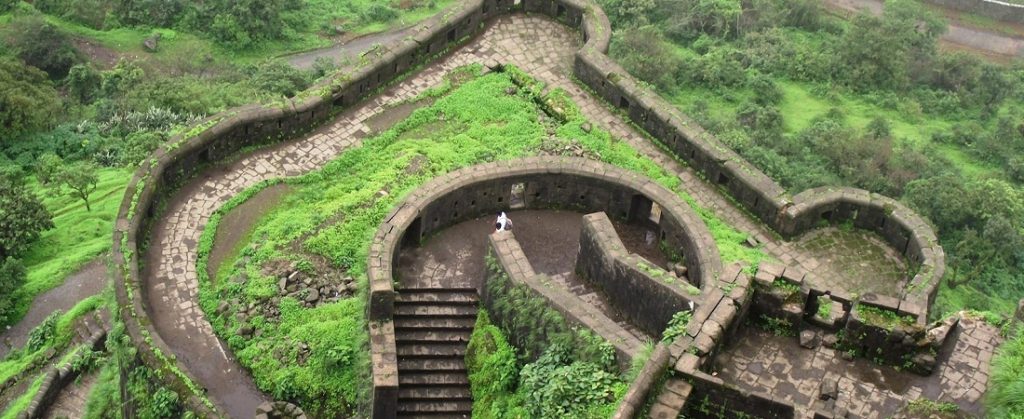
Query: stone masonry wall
x,y
604,261
999,10
549,182
224,134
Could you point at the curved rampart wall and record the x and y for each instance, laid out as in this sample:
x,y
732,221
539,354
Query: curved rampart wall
x,y
550,182
998,10
224,134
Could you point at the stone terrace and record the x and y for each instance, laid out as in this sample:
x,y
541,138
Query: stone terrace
x,y
760,361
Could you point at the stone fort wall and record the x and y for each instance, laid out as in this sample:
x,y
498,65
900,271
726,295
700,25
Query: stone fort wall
x,y
224,134
549,182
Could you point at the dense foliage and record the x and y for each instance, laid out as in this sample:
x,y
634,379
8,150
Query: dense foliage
x,y
22,217
556,385
814,100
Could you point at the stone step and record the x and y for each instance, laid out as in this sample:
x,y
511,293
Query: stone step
x,y
433,378
450,298
432,350
416,323
426,310
432,335
430,365
431,393
417,407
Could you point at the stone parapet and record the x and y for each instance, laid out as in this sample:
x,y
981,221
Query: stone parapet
x,y
626,279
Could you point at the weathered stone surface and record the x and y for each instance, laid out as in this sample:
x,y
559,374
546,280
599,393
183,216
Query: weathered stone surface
x,y
810,339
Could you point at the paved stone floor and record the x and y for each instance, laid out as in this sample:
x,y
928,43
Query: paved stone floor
x,y
454,257
760,361
539,46
857,261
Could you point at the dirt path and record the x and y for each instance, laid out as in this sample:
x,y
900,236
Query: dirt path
x,y
88,281
961,35
348,51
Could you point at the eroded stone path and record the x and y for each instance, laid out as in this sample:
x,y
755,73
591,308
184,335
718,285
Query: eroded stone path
x,y
541,47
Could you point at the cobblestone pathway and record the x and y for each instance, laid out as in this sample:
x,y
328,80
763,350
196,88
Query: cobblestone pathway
x,y
541,47
761,361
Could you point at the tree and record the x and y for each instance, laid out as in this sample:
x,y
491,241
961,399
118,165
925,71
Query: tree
x,y
48,167
84,82
81,180
27,100
12,277
22,217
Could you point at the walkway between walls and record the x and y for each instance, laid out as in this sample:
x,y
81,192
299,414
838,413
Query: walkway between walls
x,y
960,35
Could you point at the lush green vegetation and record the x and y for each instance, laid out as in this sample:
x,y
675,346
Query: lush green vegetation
x,y
462,127
558,384
870,102
1005,397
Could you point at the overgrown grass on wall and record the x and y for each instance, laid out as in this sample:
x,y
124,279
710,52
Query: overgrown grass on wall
x,y
334,212
78,236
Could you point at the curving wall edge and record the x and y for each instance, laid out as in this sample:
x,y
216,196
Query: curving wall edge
x,y
550,182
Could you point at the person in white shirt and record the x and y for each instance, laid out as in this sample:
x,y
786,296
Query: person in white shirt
x,y
503,223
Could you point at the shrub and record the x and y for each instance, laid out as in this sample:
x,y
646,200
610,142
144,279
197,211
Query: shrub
x,y
278,78
43,46
28,100
22,217
12,277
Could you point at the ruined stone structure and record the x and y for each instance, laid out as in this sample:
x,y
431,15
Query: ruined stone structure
x,y
726,296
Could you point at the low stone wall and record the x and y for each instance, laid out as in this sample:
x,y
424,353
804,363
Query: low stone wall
x,y
548,182
642,387
880,336
998,10
627,279
56,378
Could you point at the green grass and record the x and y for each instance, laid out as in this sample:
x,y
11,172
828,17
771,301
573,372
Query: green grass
x,y
480,123
1005,396
78,236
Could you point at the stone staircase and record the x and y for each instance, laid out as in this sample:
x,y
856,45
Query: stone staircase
x,y
432,330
